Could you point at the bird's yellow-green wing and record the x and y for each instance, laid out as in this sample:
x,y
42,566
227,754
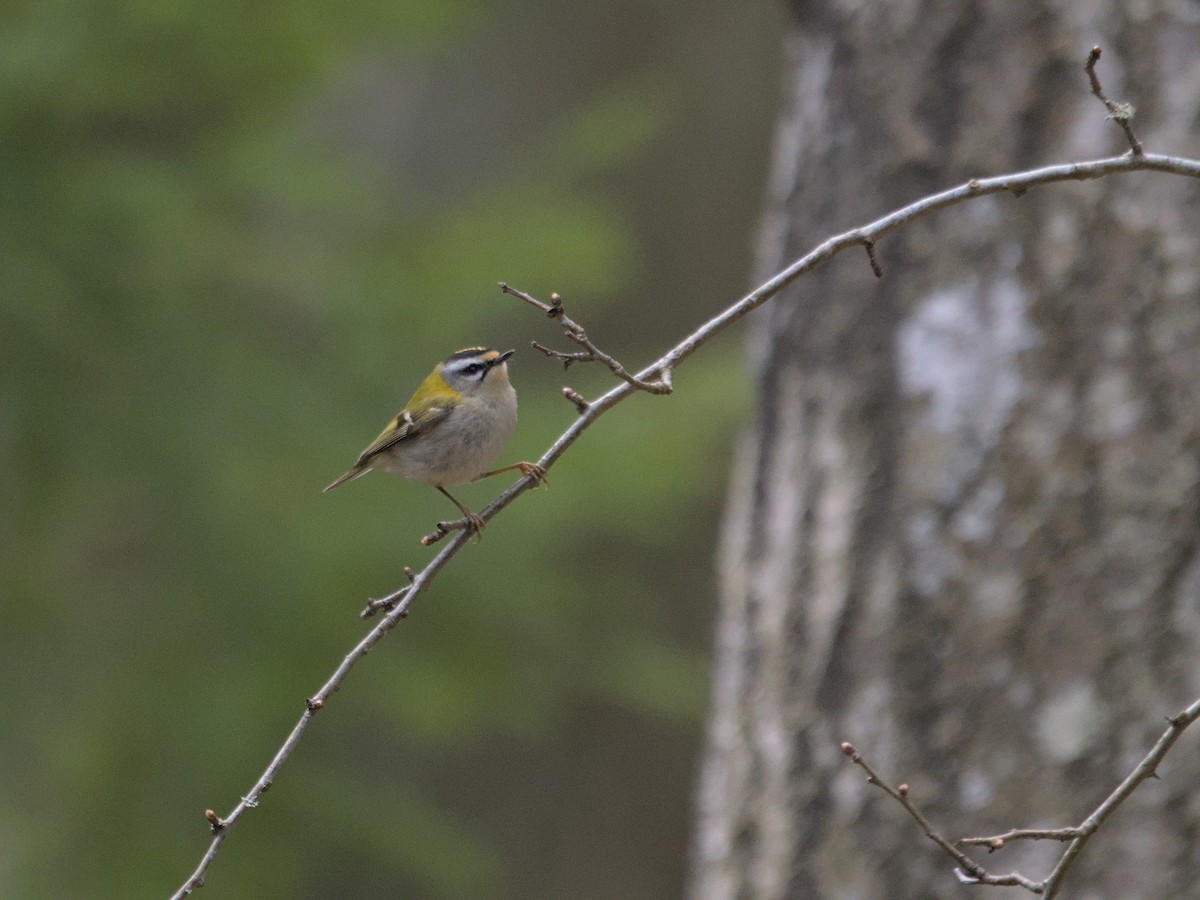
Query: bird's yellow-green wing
x,y
432,402
406,426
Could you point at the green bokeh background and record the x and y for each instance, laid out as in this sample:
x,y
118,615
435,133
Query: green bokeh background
x,y
233,236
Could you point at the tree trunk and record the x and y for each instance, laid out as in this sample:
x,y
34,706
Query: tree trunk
x,y
962,531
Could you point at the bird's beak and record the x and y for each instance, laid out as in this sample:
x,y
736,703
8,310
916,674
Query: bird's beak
x,y
502,357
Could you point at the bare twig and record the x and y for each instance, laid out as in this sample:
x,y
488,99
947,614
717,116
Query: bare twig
x,y
565,358
573,330
445,527
397,605
997,841
1121,113
869,245
1147,768
656,378
386,603
575,397
971,872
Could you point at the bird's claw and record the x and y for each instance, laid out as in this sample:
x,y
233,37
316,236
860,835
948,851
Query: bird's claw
x,y
534,471
475,524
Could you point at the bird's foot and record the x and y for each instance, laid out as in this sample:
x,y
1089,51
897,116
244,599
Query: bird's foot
x,y
534,471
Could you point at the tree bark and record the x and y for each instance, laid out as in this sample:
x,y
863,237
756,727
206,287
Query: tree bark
x,y
962,530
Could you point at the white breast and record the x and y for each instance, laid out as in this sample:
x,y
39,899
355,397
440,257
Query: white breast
x,y
462,446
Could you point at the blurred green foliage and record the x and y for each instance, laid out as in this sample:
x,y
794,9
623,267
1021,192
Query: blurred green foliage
x,y
233,236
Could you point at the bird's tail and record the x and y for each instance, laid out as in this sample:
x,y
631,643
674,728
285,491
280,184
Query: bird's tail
x,y
356,472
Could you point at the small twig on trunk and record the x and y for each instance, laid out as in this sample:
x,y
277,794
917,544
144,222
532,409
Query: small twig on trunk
x,y
1121,113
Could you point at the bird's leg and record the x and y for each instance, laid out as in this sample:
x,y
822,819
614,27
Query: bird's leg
x,y
528,469
473,520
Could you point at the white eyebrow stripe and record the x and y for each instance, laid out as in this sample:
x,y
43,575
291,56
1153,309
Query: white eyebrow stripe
x,y
460,366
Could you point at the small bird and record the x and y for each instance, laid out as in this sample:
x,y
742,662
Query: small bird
x,y
453,427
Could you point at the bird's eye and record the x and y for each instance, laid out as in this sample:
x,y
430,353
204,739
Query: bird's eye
x,y
473,369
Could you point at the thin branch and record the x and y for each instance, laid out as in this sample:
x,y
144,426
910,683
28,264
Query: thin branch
x,y
971,872
997,841
1121,113
573,330
399,602
565,358
1147,768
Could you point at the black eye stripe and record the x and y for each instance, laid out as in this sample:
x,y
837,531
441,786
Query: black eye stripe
x,y
476,369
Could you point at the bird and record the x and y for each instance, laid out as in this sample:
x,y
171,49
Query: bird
x,y
452,429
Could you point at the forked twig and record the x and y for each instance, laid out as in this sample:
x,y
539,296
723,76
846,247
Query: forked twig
x,y
971,872
590,352
968,871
